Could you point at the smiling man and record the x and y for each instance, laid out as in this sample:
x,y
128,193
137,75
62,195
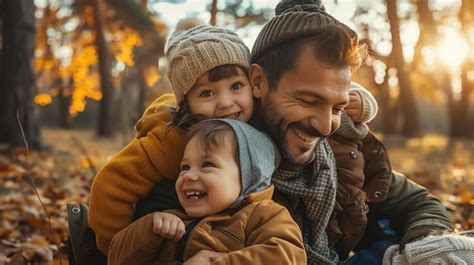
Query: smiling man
x,y
305,105
302,63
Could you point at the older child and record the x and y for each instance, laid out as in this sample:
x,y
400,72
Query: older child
x,y
207,70
224,188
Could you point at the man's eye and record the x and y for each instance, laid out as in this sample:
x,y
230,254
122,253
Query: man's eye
x,y
236,86
338,111
207,164
206,94
306,101
184,167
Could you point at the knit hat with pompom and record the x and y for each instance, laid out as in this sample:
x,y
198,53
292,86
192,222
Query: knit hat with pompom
x,y
294,19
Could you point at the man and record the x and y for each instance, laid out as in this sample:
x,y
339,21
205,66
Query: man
x,y
302,62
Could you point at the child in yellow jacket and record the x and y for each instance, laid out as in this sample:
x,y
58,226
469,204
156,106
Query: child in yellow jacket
x,y
207,70
224,188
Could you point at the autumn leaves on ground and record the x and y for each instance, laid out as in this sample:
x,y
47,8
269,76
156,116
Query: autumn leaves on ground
x,y
63,172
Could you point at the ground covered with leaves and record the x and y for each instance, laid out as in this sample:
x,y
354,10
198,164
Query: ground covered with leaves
x,y
35,231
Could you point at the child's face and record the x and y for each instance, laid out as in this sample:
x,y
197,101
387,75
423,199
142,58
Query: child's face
x,y
228,98
208,183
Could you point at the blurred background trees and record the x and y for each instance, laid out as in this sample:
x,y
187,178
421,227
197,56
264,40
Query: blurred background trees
x,y
16,73
431,89
94,63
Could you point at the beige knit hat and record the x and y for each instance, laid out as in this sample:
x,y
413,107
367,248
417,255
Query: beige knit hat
x,y
293,19
193,52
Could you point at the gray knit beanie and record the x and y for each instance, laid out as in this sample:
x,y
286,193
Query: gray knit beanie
x,y
193,52
294,19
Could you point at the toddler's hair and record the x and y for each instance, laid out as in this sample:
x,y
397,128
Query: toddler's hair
x,y
211,134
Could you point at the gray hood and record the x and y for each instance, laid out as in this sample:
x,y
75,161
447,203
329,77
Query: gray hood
x,y
258,156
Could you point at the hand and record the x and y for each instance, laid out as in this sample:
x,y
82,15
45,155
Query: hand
x,y
354,109
168,226
203,257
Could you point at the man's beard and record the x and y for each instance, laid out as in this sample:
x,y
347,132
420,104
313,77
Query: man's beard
x,y
275,125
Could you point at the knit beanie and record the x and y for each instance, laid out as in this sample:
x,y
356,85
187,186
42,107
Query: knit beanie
x,y
350,129
369,103
193,52
258,156
294,19
436,249
358,129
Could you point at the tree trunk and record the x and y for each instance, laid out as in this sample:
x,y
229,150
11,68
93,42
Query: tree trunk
x,y
16,74
213,13
142,67
64,101
464,127
389,119
407,100
428,32
143,89
105,126
462,105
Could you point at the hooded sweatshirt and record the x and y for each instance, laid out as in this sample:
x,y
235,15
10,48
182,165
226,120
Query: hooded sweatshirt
x,y
254,230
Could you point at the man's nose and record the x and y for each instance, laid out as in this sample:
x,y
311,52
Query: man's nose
x,y
322,122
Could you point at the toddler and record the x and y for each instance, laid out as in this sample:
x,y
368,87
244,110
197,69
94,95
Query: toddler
x,y
224,188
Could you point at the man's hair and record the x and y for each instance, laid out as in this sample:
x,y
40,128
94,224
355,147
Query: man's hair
x,y
333,44
211,134
182,116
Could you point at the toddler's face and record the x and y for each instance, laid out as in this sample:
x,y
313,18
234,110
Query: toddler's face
x,y
228,98
208,182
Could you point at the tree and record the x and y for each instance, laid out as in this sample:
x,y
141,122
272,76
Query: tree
x,y
106,123
374,72
406,101
463,122
16,74
213,13
457,105
134,42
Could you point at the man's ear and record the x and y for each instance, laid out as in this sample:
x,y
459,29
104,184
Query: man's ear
x,y
258,80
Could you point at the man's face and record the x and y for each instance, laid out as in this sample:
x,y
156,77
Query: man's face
x,y
305,105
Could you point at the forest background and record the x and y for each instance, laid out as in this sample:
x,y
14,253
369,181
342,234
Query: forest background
x,y
77,74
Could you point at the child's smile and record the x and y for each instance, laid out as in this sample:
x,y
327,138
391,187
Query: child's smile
x,y
194,195
234,115
230,97
209,181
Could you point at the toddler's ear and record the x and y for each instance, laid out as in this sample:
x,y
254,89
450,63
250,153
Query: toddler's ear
x,y
258,80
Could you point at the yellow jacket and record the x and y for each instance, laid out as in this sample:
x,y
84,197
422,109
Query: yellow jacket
x,y
260,232
130,175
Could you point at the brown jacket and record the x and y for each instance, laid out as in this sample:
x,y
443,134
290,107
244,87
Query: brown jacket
x,y
366,183
261,232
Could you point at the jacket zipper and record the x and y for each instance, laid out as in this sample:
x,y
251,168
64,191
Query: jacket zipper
x,y
232,237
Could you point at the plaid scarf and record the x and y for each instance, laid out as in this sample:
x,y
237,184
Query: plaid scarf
x,y
312,195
